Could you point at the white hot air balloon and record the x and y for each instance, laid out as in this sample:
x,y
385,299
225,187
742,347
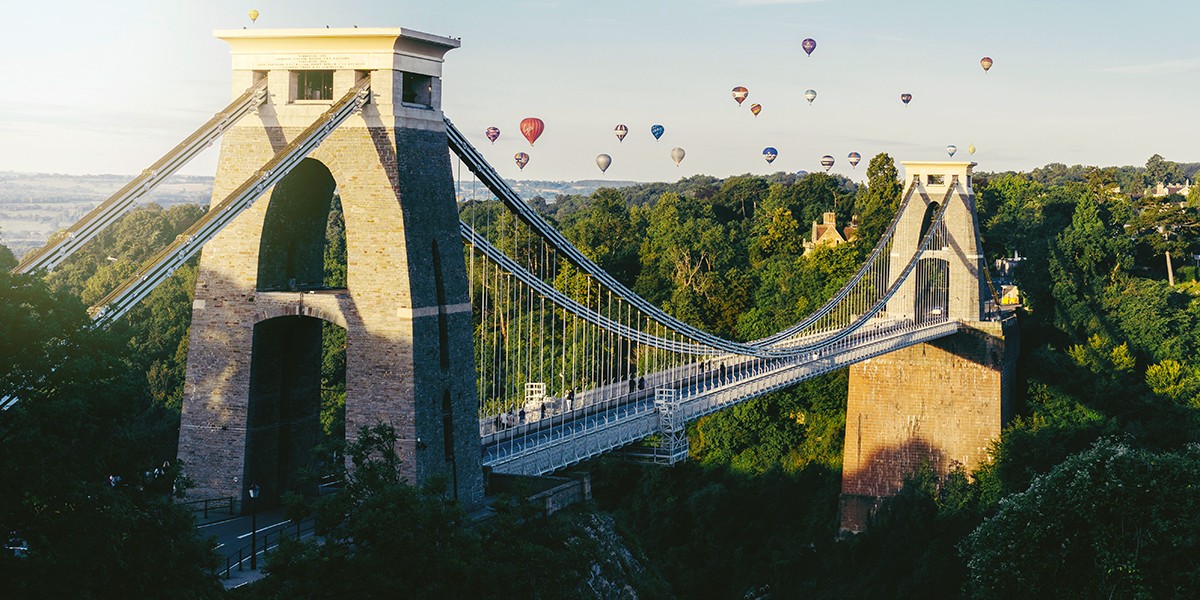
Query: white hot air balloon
x,y
951,149
677,155
603,161
810,95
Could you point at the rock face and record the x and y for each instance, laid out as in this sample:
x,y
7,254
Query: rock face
x,y
616,570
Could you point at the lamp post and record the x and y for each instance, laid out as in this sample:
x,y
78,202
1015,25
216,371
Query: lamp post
x,y
253,490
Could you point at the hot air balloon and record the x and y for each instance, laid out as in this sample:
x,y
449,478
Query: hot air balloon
x,y
603,161
253,14
621,132
522,159
827,162
810,95
905,98
756,108
492,133
531,128
677,155
986,63
951,149
740,93
854,159
801,175
770,153
657,131
971,148
809,45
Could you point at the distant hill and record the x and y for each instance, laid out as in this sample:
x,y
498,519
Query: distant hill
x,y
35,205
548,190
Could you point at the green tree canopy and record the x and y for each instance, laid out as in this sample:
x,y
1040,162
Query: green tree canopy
x,y
1111,522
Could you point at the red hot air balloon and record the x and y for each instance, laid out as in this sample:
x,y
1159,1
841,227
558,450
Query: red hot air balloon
x,y
531,128
905,98
986,63
809,45
756,108
522,159
621,132
740,93
492,133
854,159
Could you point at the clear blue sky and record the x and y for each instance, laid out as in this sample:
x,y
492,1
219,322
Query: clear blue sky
x,y
106,87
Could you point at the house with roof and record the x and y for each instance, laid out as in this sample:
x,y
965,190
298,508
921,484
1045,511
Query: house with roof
x,y
826,232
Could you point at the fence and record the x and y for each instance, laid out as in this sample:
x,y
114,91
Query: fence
x,y
269,540
211,504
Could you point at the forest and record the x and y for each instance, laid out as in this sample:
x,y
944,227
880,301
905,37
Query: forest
x,y
1090,491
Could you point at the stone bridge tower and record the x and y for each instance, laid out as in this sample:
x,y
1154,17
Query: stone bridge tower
x,y
253,389
940,403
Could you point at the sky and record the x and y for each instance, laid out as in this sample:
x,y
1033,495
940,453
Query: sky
x,y
107,87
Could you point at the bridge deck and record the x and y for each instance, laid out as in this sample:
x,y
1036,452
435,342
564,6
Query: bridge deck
x,y
561,440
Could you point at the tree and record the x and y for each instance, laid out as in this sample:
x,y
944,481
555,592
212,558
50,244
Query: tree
x,y
1112,521
1160,170
382,536
78,460
604,232
1088,256
877,204
7,260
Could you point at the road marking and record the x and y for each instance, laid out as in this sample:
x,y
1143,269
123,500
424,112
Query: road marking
x,y
262,529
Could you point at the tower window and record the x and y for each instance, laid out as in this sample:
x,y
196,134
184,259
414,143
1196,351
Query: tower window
x,y
418,89
936,180
314,85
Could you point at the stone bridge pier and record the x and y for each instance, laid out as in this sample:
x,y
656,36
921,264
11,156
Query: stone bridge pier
x,y
940,403
253,384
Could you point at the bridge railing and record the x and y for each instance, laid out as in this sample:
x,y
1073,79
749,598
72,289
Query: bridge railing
x,y
267,542
205,505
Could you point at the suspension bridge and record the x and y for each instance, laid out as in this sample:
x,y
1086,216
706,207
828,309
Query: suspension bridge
x,y
492,343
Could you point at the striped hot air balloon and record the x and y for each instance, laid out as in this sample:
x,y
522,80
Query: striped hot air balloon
x,y
531,128
740,93
522,159
854,158
621,132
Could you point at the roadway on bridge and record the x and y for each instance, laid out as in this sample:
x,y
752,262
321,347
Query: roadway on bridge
x,y
233,535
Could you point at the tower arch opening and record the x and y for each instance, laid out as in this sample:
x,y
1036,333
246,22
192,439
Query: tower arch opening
x,y
933,289
301,227
297,369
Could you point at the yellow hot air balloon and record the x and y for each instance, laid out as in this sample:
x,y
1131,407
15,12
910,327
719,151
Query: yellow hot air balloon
x,y
253,14
971,148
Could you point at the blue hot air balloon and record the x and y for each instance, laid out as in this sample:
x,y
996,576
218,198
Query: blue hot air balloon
x,y
657,131
801,175
770,153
